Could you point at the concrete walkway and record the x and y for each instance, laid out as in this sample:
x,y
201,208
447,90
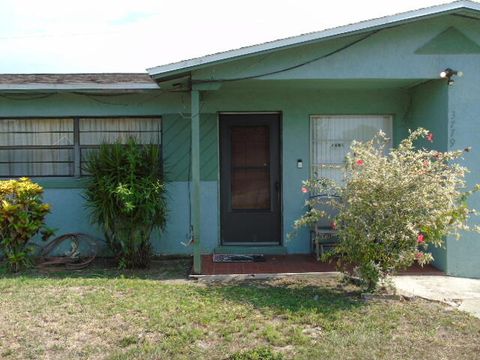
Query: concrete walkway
x,y
459,292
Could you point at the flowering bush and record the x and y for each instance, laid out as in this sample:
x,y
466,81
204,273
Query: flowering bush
x,y
22,215
394,205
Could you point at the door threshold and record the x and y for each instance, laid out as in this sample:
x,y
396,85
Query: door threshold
x,y
251,244
239,249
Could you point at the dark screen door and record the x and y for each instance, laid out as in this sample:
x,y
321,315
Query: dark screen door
x,y
250,178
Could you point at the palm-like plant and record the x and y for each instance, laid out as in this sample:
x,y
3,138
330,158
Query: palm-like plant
x,y
126,197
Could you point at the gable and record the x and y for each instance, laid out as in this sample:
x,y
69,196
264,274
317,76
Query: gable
x,y
389,53
449,42
463,9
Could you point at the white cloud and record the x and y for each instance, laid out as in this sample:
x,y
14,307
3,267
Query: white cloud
x,y
116,35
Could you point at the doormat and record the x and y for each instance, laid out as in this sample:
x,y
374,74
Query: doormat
x,y
239,258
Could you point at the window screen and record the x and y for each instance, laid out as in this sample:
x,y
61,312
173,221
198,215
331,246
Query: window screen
x,y
36,147
50,147
95,131
331,137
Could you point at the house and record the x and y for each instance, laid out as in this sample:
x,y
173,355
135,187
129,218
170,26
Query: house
x,y
240,130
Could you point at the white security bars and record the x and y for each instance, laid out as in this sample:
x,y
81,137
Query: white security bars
x,y
38,147
331,136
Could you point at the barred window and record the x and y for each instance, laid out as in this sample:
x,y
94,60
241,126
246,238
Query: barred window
x,y
95,131
331,136
44,147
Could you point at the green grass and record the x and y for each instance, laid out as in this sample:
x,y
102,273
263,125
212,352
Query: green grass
x,y
157,314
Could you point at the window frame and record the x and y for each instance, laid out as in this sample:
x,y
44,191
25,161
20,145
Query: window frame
x,y
76,147
312,118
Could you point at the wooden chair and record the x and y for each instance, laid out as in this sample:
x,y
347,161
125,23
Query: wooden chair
x,y
323,235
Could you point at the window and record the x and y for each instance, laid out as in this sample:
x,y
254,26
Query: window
x,y
331,136
57,146
36,147
250,172
94,131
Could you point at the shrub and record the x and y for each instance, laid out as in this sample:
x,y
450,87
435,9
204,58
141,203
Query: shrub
x,y
394,205
22,216
259,353
126,197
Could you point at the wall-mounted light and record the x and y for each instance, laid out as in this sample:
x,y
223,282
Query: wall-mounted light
x,y
449,73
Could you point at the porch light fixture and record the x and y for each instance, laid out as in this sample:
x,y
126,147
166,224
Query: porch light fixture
x,y
449,73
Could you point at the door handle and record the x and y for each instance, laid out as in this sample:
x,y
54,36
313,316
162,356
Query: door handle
x,y
277,188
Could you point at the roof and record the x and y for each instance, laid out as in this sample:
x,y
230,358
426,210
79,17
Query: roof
x,y
101,81
182,67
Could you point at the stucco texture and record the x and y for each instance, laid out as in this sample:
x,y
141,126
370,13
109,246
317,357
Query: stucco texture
x,y
382,74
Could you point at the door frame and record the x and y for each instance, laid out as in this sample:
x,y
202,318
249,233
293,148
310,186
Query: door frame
x,y
280,177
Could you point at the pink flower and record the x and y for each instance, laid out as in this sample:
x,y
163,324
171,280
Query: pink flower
x,y
421,238
429,137
333,225
426,163
419,256
360,162
304,190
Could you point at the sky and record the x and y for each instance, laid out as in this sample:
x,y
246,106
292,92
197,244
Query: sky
x,y
62,36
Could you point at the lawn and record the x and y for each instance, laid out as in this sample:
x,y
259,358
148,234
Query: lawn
x,y
158,314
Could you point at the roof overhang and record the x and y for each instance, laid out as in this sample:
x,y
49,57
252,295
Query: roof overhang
x,y
78,87
182,68
95,82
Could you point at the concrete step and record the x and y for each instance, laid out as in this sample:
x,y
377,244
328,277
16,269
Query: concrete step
x,y
242,249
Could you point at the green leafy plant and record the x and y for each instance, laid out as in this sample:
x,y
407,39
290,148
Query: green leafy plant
x,y
22,216
259,353
126,196
394,205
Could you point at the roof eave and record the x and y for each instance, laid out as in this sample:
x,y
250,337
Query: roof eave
x,y
79,87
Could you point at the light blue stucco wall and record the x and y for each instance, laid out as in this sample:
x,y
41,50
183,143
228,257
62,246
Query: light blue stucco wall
x,y
296,107
389,55
176,232
70,215
463,256
380,75
429,109
295,104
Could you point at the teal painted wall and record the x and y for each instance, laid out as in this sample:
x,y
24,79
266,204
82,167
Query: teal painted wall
x,y
65,194
76,104
429,109
388,54
176,146
380,75
296,107
463,256
70,215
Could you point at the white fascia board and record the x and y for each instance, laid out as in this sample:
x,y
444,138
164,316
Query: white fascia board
x,y
369,25
87,86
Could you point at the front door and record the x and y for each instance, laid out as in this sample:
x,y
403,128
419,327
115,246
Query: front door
x,y
250,179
